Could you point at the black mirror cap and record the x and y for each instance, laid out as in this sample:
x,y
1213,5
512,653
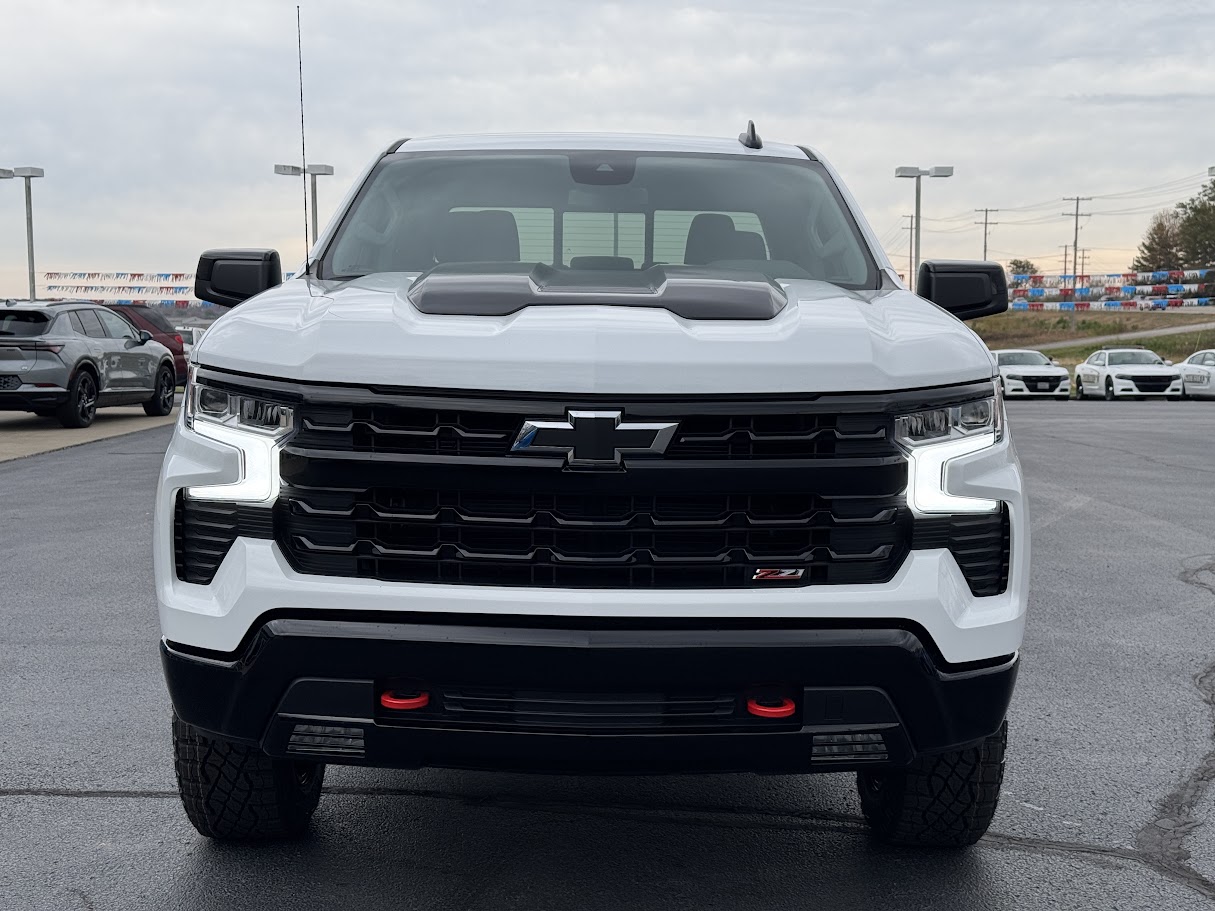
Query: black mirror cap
x,y
968,290
228,277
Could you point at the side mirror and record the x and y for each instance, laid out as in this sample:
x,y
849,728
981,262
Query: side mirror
x,y
1054,362
968,290
144,336
1168,363
228,277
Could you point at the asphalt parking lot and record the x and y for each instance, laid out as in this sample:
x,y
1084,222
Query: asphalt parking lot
x,y
1107,800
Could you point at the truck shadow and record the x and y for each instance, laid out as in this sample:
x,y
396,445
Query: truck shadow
x,y
441,840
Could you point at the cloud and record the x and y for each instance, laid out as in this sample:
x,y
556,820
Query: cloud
x,y
158,123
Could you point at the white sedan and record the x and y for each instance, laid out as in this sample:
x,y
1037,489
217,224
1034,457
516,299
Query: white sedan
x,y
1127,373
1025,373
1198,375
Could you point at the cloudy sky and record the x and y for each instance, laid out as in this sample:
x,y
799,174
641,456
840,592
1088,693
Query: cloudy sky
x,y
158,123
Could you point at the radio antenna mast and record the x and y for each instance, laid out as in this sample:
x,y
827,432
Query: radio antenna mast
x,y
299,49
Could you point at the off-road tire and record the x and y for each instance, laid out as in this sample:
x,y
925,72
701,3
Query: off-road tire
x,y
232,791
161,402
945,800
81,405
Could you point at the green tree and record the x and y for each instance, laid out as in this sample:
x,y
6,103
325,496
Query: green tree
x,y
1021,267
1196,232
1160,249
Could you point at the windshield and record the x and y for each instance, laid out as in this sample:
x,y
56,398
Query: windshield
x,y
1022,359
602,211
22,323
1120,358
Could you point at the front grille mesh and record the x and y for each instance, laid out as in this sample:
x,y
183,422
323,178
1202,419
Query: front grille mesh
x,y
589,541
1152,383
419,431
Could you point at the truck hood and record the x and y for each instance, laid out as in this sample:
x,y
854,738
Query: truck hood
x,y
367,332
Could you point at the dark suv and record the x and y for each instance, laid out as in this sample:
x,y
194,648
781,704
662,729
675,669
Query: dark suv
x,y
67,359
150,319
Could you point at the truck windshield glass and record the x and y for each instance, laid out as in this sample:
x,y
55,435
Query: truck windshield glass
x,y
1023,359
1122,358
602,211
23,324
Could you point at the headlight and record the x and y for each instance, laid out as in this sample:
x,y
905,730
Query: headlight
x,y
934,437
1014,376
253,426
1123,376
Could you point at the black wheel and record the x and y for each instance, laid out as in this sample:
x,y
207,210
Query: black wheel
x,y
161,402
81,405
1109,389
945,800
233,791
1079,387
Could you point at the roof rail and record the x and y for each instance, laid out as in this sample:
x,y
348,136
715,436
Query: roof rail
x,y
1121,347
750,138
396,145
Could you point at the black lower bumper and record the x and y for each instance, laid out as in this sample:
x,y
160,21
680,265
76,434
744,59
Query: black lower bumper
x,y
28,401
631,700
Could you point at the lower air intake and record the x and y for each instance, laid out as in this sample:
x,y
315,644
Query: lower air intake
x,y
331,740
868,746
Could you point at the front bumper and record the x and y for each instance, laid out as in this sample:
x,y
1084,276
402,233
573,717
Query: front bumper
x,y
1130,388
1020,389
309,689
255,580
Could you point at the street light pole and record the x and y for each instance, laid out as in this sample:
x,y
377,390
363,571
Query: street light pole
x,y
28,174
313,171
918,173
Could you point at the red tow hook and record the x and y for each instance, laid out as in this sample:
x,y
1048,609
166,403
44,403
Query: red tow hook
x,y
770,705
404,702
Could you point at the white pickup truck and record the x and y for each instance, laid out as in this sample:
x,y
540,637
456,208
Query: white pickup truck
x,y
593,453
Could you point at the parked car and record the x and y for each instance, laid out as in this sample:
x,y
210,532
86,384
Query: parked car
x,y
190,336
1198,375
1128,372
153,320
67,359
1025,373
715,492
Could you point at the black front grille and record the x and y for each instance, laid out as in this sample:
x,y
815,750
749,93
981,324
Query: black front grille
x,y
1032,382
1152,383
204,531
981,544
395,429
587,536
9,383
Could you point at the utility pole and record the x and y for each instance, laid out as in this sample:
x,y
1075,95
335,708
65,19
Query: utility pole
x,y
1065,249
985,223
910,229
1076,236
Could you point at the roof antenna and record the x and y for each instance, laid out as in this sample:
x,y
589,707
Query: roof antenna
x,y
299,48
751,139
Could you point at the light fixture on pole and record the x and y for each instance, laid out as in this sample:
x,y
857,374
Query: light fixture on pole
x,y
27,174
313,171
917,173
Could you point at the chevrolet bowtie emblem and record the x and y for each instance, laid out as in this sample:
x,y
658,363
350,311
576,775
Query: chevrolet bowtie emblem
x,y
594,438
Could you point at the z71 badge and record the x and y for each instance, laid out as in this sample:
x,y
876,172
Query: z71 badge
x,y
772,575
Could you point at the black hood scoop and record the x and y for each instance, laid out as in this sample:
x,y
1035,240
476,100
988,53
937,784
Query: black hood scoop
x,y
692,292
